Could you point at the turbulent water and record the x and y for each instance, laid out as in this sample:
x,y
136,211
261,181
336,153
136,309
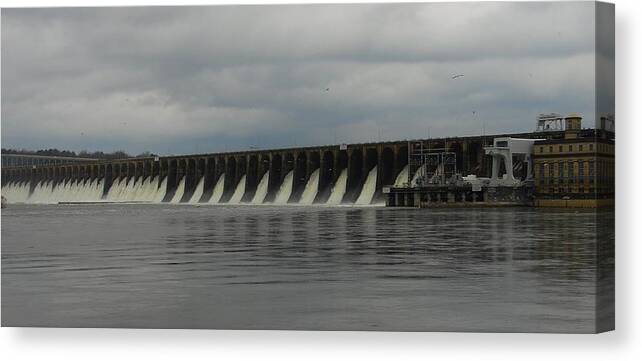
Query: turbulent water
x,y
217,193
198,192
339,189
148,190
418,174
369,188
162,190
180,191
311,189
402,178
318,268
238,192
261,189
285,190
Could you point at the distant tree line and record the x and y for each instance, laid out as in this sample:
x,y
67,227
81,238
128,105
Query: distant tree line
x,y
119,154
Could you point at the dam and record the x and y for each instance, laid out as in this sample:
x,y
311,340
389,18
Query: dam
x,y
330,174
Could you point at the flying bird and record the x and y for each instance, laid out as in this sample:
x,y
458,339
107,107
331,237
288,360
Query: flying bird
x,y
327,89
457,76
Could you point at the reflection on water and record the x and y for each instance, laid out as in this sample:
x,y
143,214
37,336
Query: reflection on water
x,y
263,267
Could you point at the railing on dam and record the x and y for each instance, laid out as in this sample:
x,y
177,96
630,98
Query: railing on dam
x,y
28,160
353,173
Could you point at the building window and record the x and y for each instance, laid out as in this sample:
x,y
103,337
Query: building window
x,y
591,147
541,173
541,149
581,171
581,147
570,172
591,171
550,149
561,149
570,147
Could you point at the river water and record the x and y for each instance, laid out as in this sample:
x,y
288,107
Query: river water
x,y
314,268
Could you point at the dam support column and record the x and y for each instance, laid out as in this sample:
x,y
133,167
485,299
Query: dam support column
x,y
231,181
326,176
191,179
171,179
109,179
252,176
355,175
209,179
300,175
276,177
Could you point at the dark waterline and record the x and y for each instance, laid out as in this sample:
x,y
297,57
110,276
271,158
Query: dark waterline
x,y
315,268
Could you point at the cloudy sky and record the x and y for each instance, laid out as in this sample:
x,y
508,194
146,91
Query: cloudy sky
x,y
204,79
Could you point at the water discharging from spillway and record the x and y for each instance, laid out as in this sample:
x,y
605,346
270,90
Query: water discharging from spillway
x,y
16,192
418,174
161,191
311,189
198,192
180,190
148,190
402,178
44,192
286,189
41,193
261,189
238,192
217,193
339,189
116,188
369,188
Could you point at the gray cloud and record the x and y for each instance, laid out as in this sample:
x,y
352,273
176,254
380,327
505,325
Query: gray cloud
x,y
186,79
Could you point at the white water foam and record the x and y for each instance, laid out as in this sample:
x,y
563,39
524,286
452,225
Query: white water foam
x,y
41,193
369,188
180,191
311,189
286,189
149,189
17,192
44,192
419,173
217,193
116,188
238,192
134,189
198,192
261,189
339,189
161,191
402,177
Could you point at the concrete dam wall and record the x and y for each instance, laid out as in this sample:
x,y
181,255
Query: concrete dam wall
x,y
334,174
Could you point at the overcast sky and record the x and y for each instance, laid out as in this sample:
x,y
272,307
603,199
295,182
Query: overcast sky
x,y
204,79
